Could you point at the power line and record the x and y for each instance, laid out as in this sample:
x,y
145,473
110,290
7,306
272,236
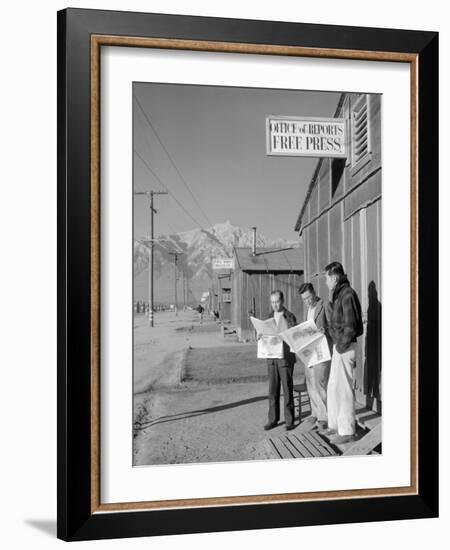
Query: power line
x,y
175,199
172,161
167,189
166,242
155,175
165,186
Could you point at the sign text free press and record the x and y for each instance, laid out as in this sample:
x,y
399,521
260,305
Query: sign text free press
x,y
305,136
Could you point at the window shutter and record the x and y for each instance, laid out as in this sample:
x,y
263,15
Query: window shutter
x,y
360,130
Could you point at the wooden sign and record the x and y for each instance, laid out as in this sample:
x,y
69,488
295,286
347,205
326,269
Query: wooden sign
x,y
306,136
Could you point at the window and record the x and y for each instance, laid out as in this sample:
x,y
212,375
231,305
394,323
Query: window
x,y
360,136
337,177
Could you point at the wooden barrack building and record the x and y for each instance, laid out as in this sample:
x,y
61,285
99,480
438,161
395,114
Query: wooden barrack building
x,y
340,220
255,276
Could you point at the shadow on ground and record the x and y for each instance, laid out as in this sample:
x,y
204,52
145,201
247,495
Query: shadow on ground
x,y
199,412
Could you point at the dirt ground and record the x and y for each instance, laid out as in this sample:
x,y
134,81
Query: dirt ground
x,y
158,350
198,397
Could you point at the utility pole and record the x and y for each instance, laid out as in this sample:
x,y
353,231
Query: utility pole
x,y
150,252
183,276
185,289
175,257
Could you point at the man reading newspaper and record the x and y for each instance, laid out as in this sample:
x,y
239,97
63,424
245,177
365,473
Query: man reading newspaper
x,y
344,321
280,360
317,375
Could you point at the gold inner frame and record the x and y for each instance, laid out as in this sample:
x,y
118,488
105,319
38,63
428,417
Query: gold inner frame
x,y
97,41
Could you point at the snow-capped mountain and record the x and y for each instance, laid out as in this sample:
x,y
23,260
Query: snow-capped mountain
x,y
196,249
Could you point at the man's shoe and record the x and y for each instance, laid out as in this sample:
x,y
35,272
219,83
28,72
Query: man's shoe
x,y
310,418
341,439
329,432
321,424
270,425
290,427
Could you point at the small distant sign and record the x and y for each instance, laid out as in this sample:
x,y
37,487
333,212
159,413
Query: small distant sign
x,y
223,263
306,136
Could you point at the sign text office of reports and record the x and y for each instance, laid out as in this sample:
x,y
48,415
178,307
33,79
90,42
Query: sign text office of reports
x,y
306,136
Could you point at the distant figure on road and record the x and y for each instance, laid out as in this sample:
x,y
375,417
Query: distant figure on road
x,y
281,370
317,375
200,310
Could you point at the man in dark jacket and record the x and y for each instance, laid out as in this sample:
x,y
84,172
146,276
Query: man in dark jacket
x,y
344,326
281,370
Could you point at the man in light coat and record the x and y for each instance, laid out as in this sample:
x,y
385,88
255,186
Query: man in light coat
x,y
317,375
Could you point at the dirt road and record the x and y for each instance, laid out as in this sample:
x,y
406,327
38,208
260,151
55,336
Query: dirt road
x,y
157,350
202,400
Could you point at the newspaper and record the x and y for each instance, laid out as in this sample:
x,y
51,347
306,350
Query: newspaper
x,y
266,328
308,342
305,340
315,352
270,343
270,347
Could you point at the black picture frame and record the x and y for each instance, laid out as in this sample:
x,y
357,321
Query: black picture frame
x,y
76,519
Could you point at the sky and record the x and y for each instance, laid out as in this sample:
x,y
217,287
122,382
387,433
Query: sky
x,y
207,146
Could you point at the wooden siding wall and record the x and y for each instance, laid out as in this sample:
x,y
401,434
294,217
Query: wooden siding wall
x,y
253,290
342,222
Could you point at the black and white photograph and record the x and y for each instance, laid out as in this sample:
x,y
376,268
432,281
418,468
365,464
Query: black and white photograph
x,y
257,299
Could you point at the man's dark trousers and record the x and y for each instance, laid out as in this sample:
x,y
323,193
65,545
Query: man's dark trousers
x,y
281,373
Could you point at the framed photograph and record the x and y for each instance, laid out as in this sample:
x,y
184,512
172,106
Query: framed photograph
x,y
247,274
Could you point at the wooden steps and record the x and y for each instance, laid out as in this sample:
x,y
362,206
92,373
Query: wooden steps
x,y
310,444
367,443
301,445
367,418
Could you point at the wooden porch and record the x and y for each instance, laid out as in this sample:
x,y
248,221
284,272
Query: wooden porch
x,y
306,442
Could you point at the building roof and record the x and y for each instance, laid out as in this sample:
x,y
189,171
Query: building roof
x,y
269,260
313,181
